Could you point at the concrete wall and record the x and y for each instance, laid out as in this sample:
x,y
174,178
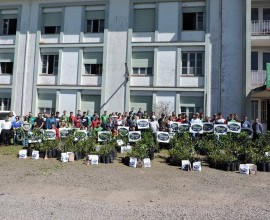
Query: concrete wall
x,y
67,101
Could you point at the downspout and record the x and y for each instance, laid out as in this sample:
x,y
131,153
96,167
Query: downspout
x,y
220,53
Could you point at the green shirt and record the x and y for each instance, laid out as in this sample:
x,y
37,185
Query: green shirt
x,y
96,130
104,119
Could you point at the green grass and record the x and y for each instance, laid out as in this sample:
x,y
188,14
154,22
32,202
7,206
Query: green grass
x,y
10,150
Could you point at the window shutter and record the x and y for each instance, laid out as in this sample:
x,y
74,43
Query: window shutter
x,y
93,58
46,101
90,102
6,57
94,15
143,59
52,19
144,20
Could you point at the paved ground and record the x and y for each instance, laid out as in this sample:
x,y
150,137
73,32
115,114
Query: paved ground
x,y
49,189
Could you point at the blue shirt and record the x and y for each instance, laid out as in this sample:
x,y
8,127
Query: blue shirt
x,y
16,124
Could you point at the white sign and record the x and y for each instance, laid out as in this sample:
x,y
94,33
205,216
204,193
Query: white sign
x,y
174,126
220,129
104,136
197,166
186,165
93,159
146,163
163,137
35,154
64,157
182,128
143,123
208,127
123,131
126,149
244,169
32,138
22,154
234,127
196,128
49,134
134,136
133,162
64,132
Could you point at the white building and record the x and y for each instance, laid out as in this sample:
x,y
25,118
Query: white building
x,y
117,54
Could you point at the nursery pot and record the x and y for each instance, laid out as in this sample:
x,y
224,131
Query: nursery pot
x,y
49,154
227,166
232,166
54,152
151,153
102,158
267,166
111,157
29,152
78,155
261,166
107,158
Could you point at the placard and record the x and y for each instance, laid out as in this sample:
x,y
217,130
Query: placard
x,y
133,162
244,169
64,157
123,131
64,132
80,135
143,123
234,127
134,136
182,128
220,129
146,163
33,138
196,128
174,126
104,136
197,166
186,165
93,159
208,127
22,154
163,137
49,134
35,154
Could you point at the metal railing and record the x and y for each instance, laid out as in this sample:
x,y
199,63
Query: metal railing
x,y
261,27
258,78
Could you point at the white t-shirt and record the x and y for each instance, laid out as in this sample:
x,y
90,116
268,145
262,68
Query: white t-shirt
x,y
6,125
154,126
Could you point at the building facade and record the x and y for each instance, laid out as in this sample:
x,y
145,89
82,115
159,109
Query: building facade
x,y
192,56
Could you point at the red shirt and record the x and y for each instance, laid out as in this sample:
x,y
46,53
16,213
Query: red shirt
x,y
95,123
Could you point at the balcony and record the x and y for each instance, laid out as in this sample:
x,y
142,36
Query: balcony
x,y
261,27
258,78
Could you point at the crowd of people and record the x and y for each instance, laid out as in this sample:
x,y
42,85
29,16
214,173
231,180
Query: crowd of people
x,y
110,122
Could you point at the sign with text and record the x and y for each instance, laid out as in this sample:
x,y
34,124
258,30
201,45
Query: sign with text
x,y
196,128
104,136
163,137
220,129
143,123
174,126
134,136
123,131
208,127
182,128
49,134
64,132
234,127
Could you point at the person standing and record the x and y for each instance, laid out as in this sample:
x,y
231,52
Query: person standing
x,y
39,122
257,129
245,123
104,118
16,125
6,131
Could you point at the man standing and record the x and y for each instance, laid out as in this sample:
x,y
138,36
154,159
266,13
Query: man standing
x,y
16,126
39,122
104,118
6,130
31,120
84,120
257,129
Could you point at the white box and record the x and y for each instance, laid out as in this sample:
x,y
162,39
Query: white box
x,y
93,159
186,165
197,166
146,163
133,162
23,154
35,154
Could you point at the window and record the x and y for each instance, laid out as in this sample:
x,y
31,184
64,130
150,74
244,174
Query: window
x,y
9,26
254,109
5,104
266,14
93,69
266,59
190,105
46,103
93,63
254,60
95,21
193,21
6,68
254,14
189,111
192,63
142,63
52,18
144,20
50,64
263,111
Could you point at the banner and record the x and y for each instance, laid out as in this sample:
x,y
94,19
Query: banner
x,y
33,138
49,134
143,123
123,131
182,128
163,137
104,136
196,128
234,127
174,126
268,76
64,132
220,129
208,127
134,136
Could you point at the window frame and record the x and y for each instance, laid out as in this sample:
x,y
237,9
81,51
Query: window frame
x,y
90,27
55,64
6,31
197,14
188,67
142,71
6,107
89,72
6,68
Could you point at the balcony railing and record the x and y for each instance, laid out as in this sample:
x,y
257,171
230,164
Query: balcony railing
x,y
258,78
260,27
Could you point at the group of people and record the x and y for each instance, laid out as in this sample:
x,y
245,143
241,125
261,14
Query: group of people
x,y
110,122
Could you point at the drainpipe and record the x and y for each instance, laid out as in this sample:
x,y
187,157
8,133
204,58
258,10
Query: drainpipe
x,y
220,54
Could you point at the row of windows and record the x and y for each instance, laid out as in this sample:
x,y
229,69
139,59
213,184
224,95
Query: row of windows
x,y
144,21
142,64
265,14
255,60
